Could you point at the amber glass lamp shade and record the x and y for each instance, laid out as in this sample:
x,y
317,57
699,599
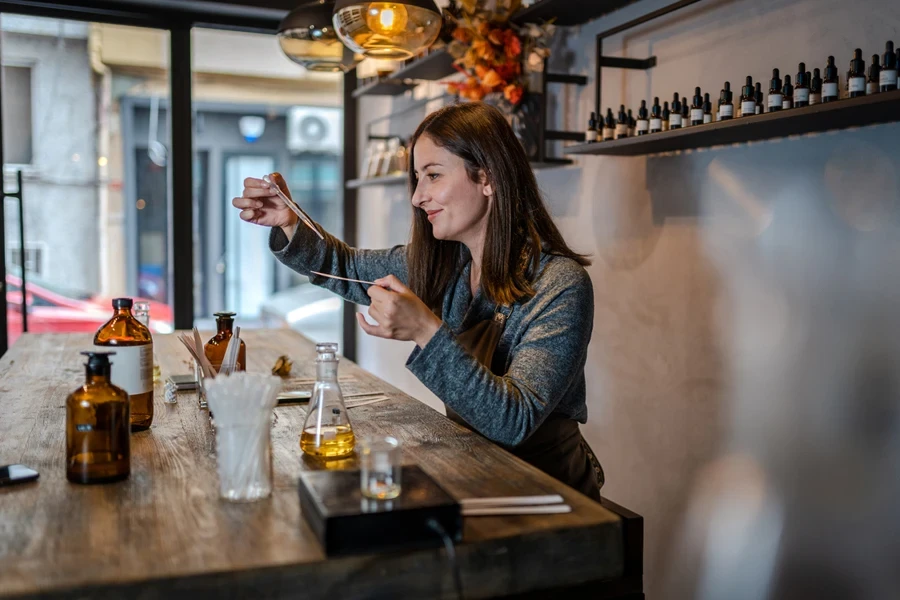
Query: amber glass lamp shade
x,y
391,30
308,38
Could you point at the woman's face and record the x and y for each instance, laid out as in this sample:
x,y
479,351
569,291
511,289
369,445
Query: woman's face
x,y
457,207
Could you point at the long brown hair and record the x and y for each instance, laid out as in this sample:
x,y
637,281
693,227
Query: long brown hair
x,y
519,225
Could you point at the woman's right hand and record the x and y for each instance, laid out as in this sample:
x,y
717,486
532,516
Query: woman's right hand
x,y
260,204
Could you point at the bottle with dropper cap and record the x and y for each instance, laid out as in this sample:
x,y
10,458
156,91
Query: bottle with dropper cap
x,y
748,98
707,109
898,67
697,108
631,124
775,99
642,126
666,115
726,106
622,124
590,135
801,89
787,94
675,115
758,95
830,85
609,129
655,116
685,113
856,76
873,81
888,75
815,88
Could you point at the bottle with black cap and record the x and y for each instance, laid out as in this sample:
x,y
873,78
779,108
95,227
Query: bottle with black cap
x,y
685,113
888,76
622,124
775,98
631,124
815,88
609,129
217,345
656,122
707,109
831,84
642,125
873,81
758,95
666,115
98,415
697,108
787,94
675,115
801,89
856,76
748,98
590,135
133,345
726,106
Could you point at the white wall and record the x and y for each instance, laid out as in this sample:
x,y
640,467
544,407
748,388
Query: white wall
x,y
706,262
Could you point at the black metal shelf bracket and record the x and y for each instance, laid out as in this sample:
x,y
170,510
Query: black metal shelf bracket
x,y
545,135
613,62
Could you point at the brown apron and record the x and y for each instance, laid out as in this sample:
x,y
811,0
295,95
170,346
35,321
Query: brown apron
x,y
556,447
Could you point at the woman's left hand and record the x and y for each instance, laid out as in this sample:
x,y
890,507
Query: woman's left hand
x,y
399,313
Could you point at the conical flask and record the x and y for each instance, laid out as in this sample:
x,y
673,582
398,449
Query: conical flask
x,y
327,432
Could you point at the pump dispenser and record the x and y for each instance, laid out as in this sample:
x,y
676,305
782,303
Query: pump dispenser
x,y
888,75
707,109
642,125
830,91
856,76
801,89
748,98
815,88
655,117
873,81
787,94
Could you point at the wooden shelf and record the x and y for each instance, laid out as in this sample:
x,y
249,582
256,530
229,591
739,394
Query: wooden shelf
x,y
354,184
567,13
383,87
819,118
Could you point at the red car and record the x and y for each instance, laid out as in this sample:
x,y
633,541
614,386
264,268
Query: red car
x,y
53,310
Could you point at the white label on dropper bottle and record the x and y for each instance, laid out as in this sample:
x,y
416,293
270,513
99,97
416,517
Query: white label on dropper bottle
x,y
888,77
871,88
707,118
696,114
830,90
675,120
801,95
643,125
787,103
775,100
727,110
856,84
621,130
815,99
656,124
590,135
748,107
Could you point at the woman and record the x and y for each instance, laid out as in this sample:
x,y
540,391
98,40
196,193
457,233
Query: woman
x,y
499,307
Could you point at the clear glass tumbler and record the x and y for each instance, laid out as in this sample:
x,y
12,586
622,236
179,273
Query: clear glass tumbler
x,y
380,466
244,461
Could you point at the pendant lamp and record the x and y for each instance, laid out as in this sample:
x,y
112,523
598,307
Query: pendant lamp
x,y
308,38
392,30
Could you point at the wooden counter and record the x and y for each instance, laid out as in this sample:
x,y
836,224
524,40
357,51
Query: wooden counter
x,y
165,533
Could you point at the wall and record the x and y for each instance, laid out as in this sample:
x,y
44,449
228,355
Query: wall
x,y
708,266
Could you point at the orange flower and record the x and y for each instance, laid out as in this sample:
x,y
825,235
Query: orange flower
x,y
513,46
480,71
491,79
509,70
462,35
496,37
513,93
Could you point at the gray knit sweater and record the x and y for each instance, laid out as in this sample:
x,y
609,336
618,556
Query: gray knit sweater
x,y
541,353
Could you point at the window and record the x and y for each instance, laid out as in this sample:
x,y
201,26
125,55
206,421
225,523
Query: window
x,y
16,82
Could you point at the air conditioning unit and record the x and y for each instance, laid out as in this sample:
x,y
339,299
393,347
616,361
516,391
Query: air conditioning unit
x,y
315,129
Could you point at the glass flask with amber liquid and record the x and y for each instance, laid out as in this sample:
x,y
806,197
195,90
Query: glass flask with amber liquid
x,y
133,344
327,432
217,345
98,440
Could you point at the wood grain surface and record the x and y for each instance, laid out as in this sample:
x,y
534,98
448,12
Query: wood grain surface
x,y
165,532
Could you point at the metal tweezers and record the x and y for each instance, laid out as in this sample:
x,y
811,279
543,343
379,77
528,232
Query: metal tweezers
x,y
294,207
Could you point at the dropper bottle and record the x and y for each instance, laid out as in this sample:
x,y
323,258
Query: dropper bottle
x,y
787,94
631,124
609,132
888,76
697,108
622,124
675,115
665,116
726,109
590,135
685,113
656,116
775,98
856,76
801,89
815,88
748,98
830,85
642,125
873,82
758,95
707,109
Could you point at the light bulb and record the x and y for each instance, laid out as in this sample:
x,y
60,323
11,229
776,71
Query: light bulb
x,y
387,18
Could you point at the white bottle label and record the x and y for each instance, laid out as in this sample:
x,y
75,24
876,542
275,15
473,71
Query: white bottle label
x,y
748,107
871,88
757,110
674,120
696,114
788,103
829,90
132,367
856,84
609,133
621,130
727,110
590,135
801,95
815,99
707,118
888,77
775,100
643,125
656,124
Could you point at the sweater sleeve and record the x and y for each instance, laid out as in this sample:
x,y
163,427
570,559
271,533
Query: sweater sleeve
x,y
305,252
546,361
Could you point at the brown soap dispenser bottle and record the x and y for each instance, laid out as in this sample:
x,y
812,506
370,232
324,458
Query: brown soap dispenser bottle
x,y
217,345
98,442
133,345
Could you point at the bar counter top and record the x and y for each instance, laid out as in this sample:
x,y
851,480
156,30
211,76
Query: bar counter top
x,y
164,532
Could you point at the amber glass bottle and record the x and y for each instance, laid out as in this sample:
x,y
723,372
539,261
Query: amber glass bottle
x,y
217,345
98,444
133,373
